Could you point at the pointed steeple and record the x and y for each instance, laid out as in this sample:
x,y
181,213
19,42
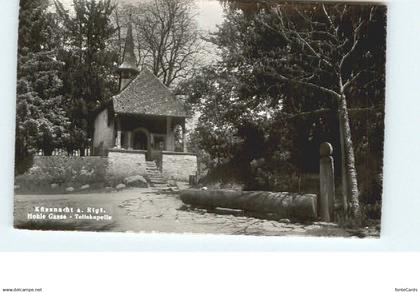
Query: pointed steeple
x,y
128,69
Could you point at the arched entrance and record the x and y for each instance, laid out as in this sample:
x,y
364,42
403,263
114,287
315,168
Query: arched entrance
x,y
141,139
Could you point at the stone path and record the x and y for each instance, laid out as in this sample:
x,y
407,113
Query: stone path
x,y
166,213
145,210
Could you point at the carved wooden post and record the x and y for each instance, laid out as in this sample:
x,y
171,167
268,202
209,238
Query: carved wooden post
x,y
326,179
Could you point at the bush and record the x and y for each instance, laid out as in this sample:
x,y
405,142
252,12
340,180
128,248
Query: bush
x,y
63,170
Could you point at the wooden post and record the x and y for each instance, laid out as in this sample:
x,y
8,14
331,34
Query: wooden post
x,y
184,145
118,140
169,135
130,140
326,180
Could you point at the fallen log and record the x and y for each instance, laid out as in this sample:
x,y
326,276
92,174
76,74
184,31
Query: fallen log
x,y
281,205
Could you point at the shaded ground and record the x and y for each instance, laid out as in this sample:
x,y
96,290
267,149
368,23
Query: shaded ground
x,y
138,210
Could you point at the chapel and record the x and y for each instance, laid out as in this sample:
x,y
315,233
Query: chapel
x,y
145,118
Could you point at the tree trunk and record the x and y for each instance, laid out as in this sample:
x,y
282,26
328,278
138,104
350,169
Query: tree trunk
x,y
351,186
344,185
279,205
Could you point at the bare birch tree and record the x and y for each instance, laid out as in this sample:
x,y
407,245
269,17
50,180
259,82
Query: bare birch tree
x,y
166,35
324,51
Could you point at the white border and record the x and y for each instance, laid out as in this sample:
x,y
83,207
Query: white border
x,y
211,272
401,207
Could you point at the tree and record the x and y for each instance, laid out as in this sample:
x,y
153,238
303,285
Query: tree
x,y
167,38
285,62
327,50
37,26
41,122
89,63
41,119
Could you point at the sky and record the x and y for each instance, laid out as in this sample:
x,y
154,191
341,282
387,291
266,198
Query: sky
x,y
210,12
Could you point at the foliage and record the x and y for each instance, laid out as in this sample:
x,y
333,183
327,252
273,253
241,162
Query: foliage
x,y
275,75
89,64
233,133
41,122
65,72
328,49
37,27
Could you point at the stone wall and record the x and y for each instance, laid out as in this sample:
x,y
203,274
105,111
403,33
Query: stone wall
x,y
178,165
118,165
123,163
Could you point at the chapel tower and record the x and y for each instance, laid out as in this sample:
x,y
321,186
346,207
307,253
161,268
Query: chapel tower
x,y
128,69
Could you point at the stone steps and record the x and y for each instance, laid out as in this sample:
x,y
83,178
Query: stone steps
x,y
157,181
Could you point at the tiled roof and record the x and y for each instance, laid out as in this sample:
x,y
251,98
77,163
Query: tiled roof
x,y
147,95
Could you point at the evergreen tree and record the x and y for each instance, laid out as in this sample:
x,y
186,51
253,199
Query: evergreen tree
x,y
89,62
41,122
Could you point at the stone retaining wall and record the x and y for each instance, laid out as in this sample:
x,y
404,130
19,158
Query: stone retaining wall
x,y
178,165
123,163
119,164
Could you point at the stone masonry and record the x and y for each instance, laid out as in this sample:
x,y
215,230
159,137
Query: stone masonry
x,y
178,165
126,163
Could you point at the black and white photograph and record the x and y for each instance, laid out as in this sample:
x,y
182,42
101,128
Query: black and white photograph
x,y
232,117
